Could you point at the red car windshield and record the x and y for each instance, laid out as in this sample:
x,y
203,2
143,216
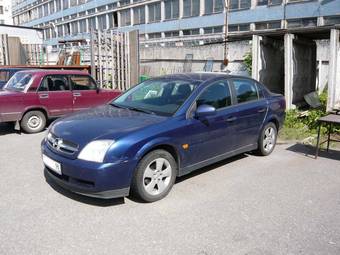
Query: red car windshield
x,y
19,81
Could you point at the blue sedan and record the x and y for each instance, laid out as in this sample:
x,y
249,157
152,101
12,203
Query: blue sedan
x,y
160,129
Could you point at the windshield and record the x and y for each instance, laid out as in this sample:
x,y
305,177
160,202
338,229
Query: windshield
x,y
19,81
158,96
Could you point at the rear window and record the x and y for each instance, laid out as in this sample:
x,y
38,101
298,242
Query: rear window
x,y
19,81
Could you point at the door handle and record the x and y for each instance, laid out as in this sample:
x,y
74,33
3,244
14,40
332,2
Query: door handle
x,y
231,119
261,110
43,96
76,94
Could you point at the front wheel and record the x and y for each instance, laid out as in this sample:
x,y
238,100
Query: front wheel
x,y
267,140
154,177
33,122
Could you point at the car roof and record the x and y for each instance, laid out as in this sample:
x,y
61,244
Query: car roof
x,y
201,76
54,71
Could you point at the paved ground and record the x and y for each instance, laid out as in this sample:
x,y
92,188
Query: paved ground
x,y
286,203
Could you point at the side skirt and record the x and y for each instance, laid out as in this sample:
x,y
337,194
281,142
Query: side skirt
x,y
191,168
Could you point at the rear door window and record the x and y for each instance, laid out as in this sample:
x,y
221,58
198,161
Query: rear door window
x,y
82,82
54,83
245,90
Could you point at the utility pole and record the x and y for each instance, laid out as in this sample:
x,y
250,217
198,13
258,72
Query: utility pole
x,y
226,9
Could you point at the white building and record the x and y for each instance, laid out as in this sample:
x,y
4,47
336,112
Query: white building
x,y
6,12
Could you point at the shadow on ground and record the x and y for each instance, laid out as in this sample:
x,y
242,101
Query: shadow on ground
x,y
309,151
83,199
7,128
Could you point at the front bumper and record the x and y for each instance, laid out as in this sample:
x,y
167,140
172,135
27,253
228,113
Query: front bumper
x,y
102,180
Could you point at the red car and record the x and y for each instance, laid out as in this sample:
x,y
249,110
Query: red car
x,y
32,96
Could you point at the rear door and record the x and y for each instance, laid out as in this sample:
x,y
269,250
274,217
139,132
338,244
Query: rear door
x,y
251,111
85,93
55,95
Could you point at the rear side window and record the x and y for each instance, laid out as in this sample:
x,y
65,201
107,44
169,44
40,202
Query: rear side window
x,y
54,83
4,76
245,90
82,82
216,95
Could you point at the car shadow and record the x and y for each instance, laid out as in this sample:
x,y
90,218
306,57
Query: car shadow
x,y
309,151
7,128
83,199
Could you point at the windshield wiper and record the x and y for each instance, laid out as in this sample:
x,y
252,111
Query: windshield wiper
x,y
139,110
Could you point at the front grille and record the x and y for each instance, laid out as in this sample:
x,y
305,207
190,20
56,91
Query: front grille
x,y
61,145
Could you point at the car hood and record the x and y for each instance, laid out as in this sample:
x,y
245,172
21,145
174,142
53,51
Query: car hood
x,y
103,122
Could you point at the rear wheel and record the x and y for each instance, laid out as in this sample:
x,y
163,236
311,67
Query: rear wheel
x,y
33,122
267,140
154,177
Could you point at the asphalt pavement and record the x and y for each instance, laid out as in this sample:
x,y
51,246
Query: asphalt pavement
x,y
286,203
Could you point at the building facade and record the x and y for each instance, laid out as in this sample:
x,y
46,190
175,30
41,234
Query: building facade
x,y
166,20
5,12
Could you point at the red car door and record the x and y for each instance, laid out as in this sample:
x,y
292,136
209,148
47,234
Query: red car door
x,y
55,95
85,93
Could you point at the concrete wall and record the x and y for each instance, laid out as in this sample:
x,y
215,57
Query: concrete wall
x,y
164,60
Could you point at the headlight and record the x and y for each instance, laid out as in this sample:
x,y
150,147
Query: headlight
x,y
95,151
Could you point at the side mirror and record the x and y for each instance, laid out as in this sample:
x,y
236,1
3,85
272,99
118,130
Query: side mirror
x,y
205,110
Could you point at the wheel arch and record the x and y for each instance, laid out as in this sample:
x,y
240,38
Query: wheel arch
x,y
37,108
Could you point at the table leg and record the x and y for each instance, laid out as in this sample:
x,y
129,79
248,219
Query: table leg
x,y
318,142
329,135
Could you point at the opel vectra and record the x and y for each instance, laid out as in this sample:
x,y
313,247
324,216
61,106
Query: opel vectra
x,y
160,129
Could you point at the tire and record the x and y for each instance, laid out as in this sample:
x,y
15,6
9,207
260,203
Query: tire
x,y
33,122
154,176
267,139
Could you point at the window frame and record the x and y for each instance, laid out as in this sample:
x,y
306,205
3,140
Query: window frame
x,y
55,75
233,88
82,75
193,107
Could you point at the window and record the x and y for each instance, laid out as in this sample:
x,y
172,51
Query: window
x,y
125,17
171,9
73,3
74,26
216,95
102,22
268,25
46,9
332,20
81,82
262,2
60,30
213,6
51,5
58,5
124,2
82,25
1,9
91,11
139,15
54,83
191,32
155,12
91,23
191,8
239,4
65,4
275,2
246,90
308,22
67,29
239,28
101,8
154,35
171,33
213,30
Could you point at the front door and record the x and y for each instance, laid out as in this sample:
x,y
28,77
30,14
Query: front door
x,y
212,136
252,109
85,93
55,95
